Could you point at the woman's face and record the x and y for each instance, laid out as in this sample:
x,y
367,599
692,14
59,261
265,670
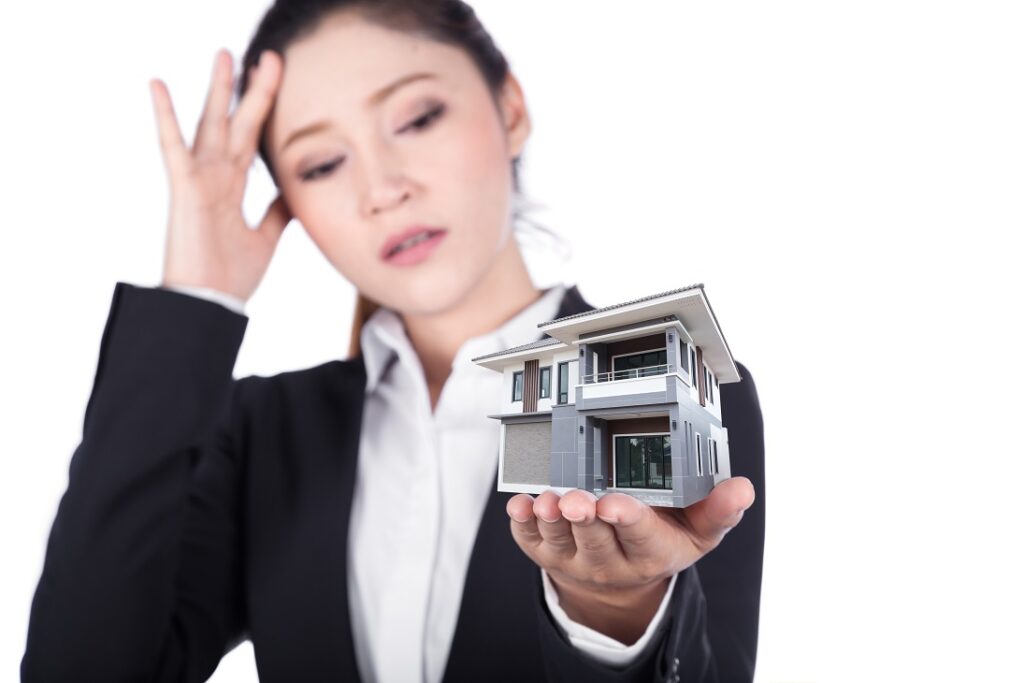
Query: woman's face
x,y
433,151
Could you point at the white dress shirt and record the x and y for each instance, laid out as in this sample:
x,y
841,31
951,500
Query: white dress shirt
x,y
423,479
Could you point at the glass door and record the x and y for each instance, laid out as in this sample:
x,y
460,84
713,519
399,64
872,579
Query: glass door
x,y
642,364
643,461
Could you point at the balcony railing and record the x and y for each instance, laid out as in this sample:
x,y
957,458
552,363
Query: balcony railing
x,y
631,373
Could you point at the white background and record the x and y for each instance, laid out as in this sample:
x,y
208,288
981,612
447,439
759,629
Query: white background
x,y
844,178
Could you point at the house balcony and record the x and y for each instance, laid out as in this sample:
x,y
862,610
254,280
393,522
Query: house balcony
x,y
630,373
648,385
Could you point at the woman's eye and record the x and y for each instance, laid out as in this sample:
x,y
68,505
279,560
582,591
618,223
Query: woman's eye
x,y
421,123
428,118
322,170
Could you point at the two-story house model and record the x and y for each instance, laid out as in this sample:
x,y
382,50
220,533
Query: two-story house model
x,y
620,398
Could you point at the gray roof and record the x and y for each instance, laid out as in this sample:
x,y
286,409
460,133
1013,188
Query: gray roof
x,y
624,303
547,340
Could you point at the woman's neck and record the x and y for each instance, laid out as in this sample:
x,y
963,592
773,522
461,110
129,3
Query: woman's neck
x,y
505,290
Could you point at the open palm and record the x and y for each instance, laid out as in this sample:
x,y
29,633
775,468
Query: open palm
x,y
617,547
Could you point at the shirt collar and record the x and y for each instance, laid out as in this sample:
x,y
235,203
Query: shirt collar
x,y
383,339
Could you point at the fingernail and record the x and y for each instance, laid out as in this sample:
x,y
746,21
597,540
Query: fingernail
x,y
516,517
574,517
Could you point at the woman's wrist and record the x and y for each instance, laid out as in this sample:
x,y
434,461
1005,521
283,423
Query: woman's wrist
x,y
622,614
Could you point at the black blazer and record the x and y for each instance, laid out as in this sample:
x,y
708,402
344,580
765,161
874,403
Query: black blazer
x,y
203,510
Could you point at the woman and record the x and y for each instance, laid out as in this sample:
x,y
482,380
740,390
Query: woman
x,y
202,510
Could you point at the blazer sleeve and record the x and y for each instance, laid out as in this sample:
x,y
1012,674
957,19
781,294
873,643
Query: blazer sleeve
x,y
731,573
679,649
141,577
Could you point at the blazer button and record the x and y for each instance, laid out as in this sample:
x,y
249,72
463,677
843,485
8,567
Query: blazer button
x,y
675,664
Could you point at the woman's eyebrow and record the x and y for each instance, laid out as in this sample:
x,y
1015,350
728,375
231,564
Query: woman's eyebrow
x,y
373,100
382,94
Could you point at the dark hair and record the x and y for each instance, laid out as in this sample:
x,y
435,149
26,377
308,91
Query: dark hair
x,y
452,22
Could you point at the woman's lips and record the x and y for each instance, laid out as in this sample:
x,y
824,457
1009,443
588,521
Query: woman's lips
x,y
416,253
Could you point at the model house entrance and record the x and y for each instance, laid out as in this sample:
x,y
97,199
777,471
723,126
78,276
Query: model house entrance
x,y
643,461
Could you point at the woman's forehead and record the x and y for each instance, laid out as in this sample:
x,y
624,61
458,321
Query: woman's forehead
x,y
352,51
348,70
356,62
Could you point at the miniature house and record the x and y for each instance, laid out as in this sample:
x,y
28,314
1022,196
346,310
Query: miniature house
x,y
621,398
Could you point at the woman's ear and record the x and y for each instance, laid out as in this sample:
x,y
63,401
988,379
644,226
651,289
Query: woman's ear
x,y
515,116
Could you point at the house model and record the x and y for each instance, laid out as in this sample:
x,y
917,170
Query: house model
x,y
621,398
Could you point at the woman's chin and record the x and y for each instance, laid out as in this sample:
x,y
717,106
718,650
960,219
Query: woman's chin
x,y
426,291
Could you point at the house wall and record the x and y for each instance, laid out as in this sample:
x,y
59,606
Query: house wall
x,y
575,374
590,357
564,444
571,355
526,455
585,455
694,386
627,346
700,377
507,405
721,437
574,469
712,406
542,404
695,419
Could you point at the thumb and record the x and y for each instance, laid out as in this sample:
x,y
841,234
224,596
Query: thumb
x,y
711,518
275,219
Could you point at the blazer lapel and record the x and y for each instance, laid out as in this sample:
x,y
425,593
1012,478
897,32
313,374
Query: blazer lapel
x,y
300,499
497,626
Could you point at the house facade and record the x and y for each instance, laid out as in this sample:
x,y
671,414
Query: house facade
x,y
620,398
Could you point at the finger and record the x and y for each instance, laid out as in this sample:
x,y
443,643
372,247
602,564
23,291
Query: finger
x,y
523,522
172,144
595,539
636,524
556,530
711,518
211,133
275,219
245,126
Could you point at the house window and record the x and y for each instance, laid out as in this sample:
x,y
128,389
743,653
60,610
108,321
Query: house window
x,y
683,367
707,383
714,456
640,364
517,386
643,461
563,382
545,382
700,455
693,365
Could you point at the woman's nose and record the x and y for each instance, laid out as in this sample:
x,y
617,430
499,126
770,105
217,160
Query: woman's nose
x,y
384,184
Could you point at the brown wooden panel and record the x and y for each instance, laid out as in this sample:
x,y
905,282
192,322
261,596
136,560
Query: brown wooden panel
x,y
531,385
